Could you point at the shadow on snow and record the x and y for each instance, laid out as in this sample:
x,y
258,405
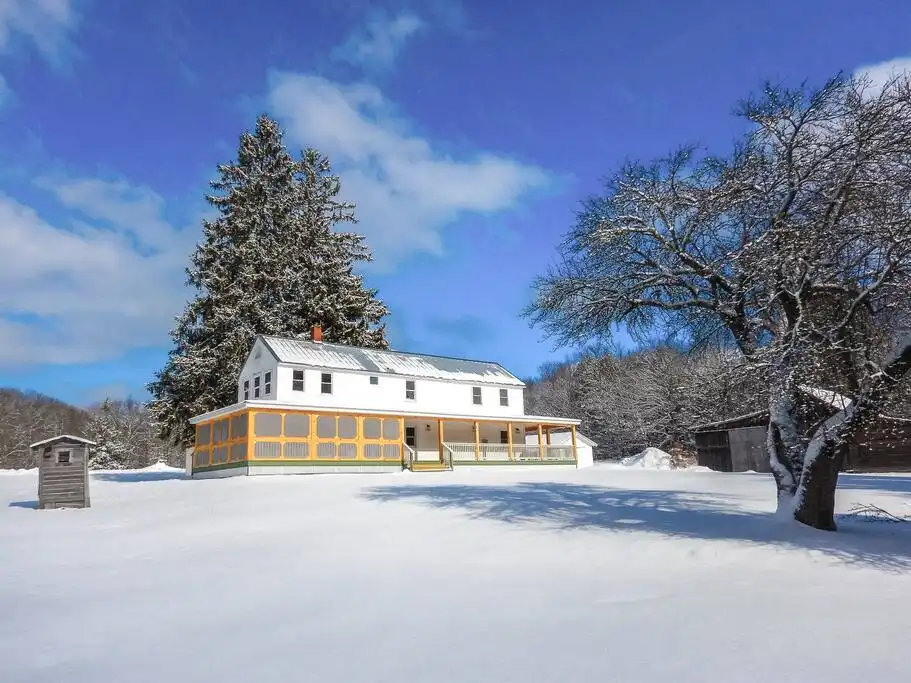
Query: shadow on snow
x,y
135,476
670,513
875,482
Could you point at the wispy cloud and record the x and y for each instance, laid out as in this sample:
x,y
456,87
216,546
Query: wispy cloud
x,y
407,190
44,23
377,44
107,279
881,73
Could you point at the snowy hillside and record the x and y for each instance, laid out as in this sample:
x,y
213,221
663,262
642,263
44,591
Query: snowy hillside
x,y
600,575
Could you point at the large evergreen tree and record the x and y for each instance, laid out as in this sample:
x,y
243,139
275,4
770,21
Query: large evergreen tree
x,y
272,262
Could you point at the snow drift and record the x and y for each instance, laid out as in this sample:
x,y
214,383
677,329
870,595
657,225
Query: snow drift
x,y
649,459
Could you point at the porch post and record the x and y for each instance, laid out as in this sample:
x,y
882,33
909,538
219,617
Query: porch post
x,y
509,452
477,440
572,431
541,442
402,441
440,439
547,434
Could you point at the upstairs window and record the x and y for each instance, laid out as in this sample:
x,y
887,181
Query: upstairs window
x,y
256,387
246,390
297,380
410,392
374,379
325,385
476,395
504,397
267,384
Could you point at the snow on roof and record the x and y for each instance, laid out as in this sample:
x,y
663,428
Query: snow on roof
x,y
63,437
830,398
388,362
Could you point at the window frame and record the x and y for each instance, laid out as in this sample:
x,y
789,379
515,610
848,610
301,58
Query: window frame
x,y
413,390
411,432
267,383
504,398
257,385
245,388
65,457
504,436
323,383
374,380
295,380
477,396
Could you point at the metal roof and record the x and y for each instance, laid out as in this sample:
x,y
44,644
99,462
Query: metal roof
x,y
388,362
63,437
543,420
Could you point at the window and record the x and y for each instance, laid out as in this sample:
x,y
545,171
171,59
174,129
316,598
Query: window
x,y
267,384
325,385
409,390
374,380
410,437
256,379
504,436
246,390
476,395
297,380
63,457
504,397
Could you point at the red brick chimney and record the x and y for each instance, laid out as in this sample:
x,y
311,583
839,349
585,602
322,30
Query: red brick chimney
x,y
317,334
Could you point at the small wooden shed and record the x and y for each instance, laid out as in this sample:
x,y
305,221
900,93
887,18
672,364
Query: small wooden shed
x,y
63,471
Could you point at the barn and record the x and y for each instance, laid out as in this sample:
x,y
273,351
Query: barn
x,y
738,445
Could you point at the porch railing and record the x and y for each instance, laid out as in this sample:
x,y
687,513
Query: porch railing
x,y
409,456
468,452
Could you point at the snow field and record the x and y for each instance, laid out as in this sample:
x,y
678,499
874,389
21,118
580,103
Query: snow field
x,y
601,574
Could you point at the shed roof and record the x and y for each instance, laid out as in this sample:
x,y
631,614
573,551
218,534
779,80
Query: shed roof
x,y
387,362
63,437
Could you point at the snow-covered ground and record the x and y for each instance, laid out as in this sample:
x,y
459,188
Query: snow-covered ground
x,y
605,574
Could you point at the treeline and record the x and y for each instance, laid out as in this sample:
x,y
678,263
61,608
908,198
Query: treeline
x,y
628,401
123,429
653,397
27,417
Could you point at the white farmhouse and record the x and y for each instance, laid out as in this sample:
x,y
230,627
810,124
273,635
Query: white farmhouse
x,y
306,406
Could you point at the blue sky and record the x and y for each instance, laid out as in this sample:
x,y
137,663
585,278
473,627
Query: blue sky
x,y
466,132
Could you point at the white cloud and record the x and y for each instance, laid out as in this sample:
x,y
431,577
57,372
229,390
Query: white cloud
x,y
406,191
109,279
881,73
378,43
46,23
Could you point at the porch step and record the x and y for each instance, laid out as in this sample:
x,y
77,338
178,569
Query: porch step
x,y
429,467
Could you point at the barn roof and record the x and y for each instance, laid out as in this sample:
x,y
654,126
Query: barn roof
x,y
63,437
387,362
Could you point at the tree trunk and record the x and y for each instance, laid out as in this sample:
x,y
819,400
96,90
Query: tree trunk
x,y
815,499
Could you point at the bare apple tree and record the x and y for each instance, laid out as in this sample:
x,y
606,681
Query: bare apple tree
x,y
795,247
